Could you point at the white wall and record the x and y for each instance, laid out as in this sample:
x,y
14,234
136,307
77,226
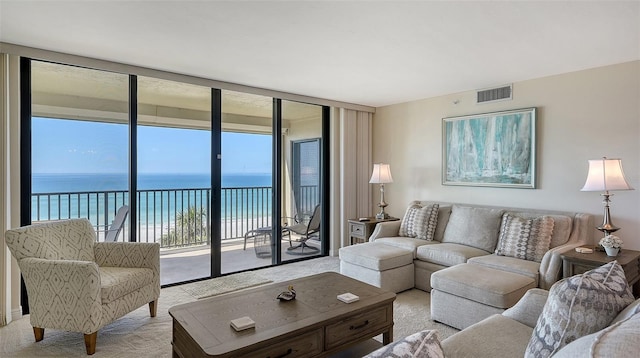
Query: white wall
x,y
581,115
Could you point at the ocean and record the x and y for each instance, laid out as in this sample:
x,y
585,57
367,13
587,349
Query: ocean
x,y
161,197
67,183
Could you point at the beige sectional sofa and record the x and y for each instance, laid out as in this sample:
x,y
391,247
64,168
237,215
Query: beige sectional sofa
x,y
468,281
508,335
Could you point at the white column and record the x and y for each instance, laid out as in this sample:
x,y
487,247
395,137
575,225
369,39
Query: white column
x,y
9,185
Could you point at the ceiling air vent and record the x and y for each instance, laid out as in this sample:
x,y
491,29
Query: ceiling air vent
x,y
494,94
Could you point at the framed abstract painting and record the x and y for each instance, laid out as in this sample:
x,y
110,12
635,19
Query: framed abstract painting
x,y
493,149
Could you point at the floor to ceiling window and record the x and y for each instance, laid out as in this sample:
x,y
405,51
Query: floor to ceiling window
x,y
174,175
302,170
246,186
79,139
90,158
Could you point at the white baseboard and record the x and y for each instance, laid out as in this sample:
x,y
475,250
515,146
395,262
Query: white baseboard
x,y
14,315
17,313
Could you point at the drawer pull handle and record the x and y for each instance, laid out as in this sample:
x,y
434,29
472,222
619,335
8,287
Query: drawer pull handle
x,y
289,351
360,326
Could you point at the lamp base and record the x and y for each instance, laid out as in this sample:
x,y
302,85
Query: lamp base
x,y
382,215
607,226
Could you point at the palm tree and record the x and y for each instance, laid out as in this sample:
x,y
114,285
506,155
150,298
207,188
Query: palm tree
x,y
190,228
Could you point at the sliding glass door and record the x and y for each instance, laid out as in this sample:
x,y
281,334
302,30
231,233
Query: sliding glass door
x,y
173,193
225,181
301,172
246,193
79,151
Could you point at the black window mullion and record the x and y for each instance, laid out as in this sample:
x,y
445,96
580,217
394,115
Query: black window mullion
x,y
25,160
216,182
276,183
325,198
133,158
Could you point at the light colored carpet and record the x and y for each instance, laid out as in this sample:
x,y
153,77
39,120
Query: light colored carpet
x,y
137,335
220,285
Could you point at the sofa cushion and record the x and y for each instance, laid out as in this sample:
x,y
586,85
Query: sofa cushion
x,y
578,306
495,336
406,243
116,282
376,256
511,264
447,254
444,212
617,340
475,227
562,225
419,221
628,311
481,284
424,344
526,239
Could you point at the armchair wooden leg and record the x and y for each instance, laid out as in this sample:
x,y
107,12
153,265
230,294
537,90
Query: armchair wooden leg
x,y
90,342
153,305
38,333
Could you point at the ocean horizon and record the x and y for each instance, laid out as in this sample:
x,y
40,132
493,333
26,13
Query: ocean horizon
x,y
93,182
160,196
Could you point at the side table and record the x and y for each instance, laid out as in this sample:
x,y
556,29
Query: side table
x,y
359,231
574,263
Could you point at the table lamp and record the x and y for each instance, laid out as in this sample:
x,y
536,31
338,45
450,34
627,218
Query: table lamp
x,y
381,175
606,175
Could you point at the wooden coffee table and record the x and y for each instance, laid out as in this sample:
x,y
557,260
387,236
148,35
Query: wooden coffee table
x,y
316,323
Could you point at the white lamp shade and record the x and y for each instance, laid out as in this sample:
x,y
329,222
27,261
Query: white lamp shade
x,y
606,174
381,174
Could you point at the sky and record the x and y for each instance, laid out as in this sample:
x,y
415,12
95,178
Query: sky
x,y
73,146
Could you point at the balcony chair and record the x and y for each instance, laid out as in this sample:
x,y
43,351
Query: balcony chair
x,y
112,233
77,284
259,237
306,231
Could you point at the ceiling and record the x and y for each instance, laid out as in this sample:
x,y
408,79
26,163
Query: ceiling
x,y
362,52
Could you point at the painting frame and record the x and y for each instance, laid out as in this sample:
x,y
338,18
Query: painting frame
x,y
496,149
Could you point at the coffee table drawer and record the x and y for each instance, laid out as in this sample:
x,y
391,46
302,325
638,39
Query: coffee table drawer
x,y
363,324
305,345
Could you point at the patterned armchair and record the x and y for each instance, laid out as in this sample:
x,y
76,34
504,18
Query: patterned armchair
x,y
77,284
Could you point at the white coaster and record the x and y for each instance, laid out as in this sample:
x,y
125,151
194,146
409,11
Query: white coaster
x,y
242,323
348,297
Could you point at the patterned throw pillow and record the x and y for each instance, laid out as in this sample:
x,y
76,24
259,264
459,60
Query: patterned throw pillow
x,y
578,306
526,239
420,221
424,344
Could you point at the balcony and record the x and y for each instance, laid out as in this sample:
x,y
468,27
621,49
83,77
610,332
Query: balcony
x,y
180,220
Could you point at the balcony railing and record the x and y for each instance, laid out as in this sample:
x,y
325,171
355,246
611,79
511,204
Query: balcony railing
x,y
173,217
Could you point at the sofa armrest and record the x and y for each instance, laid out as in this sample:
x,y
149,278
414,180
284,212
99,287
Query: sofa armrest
x,y
529,308
74,284
128,254
385,229
551,264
